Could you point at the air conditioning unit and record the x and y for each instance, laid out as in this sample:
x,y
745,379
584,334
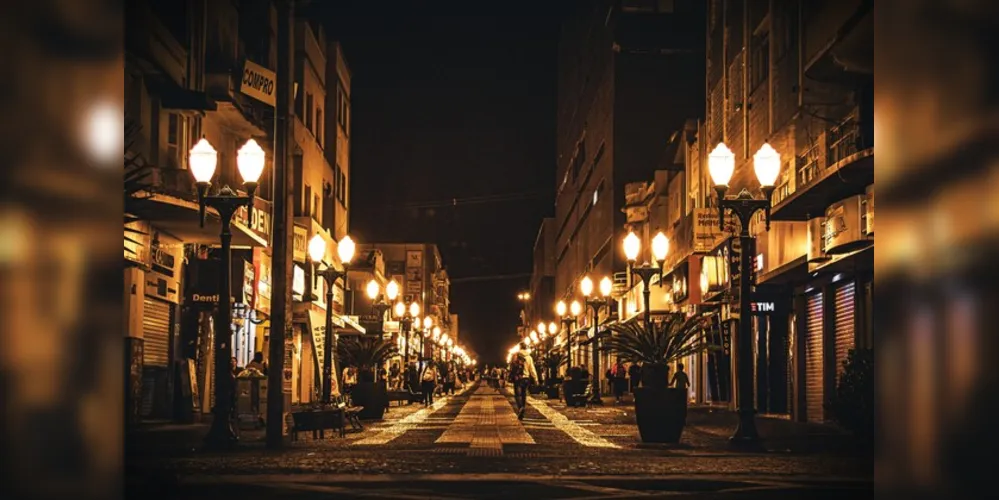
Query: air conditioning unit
x,y
816,230
843,229
869,212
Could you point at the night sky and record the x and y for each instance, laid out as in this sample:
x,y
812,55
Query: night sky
x,y
453,139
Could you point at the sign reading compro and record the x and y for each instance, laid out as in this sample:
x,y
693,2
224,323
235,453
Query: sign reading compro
x,y
259,83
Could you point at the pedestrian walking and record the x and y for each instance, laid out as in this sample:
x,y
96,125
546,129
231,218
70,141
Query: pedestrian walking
x,y
680,379
620,380
635,375
522,375
429,384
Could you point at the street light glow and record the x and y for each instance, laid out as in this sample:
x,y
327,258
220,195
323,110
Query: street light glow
x,y
428,322
632,245
414,309
586,286
373,289
660,247
317,248
553,328
606,286
203,159
400,309
721,165
560,308
575,308
250,159
345,249
766,162
391,290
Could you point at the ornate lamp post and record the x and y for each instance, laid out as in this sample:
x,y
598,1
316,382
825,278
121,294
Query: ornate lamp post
x,y
317,251
406,316
595,304
203,159
428,324
568,320
374,292
435,337
721,164
660,247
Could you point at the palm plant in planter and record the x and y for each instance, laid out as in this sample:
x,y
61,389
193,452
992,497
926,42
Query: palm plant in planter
x,y
554,359
367,354
661,411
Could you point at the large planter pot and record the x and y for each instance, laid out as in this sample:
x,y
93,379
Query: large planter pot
x,y
661,413
373,397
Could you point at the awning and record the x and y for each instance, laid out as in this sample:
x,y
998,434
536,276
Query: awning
x,y
348,325
179,217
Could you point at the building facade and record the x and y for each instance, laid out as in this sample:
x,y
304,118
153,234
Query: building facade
x,y
540,305
619,98
422,278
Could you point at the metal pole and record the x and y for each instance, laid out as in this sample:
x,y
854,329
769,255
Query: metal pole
x,y
405,333
595,382
221,434
283,201
646,293
746,433
328,350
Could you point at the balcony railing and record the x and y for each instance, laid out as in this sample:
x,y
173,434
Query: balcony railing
x,y
842,140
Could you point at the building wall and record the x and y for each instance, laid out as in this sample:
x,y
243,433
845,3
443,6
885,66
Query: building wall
x,y
395,255
338,133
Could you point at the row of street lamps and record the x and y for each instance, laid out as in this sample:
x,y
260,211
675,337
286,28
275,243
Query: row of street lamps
x,y
721,166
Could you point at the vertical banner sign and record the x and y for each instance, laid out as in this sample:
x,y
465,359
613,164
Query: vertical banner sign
x,y
414,273
289,348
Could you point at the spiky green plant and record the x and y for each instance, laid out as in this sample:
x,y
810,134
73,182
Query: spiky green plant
x,y
658,344
366,354
554,360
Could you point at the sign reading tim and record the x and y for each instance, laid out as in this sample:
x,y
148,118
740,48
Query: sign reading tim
x,y
259,83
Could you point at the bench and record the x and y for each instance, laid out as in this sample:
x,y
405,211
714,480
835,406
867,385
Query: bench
x,y
317,421
407,396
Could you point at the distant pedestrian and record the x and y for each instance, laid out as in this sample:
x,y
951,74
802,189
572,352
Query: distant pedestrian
x,y
635,376
620,380
522,375
680,379
429,384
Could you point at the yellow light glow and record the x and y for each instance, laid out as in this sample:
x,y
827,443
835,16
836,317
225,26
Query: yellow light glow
x,y
391,290
202,160
414,309
400,309
606,286
317,248
345,249
721,164
576,308
560,308
372,289
586,286
766,162
632,245
660,247
250,159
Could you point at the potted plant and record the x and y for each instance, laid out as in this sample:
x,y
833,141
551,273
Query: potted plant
x,y
367,354
661,411
852,406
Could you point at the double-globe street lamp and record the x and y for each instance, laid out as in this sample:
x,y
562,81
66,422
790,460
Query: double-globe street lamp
x,y
317,251
428,325
374,292
660,248
406,316
595,304
203,159
721,165
567,315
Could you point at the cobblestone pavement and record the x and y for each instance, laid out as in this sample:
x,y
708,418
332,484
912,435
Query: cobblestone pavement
x,y
476,434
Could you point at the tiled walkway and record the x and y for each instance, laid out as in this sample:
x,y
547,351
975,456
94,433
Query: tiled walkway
x,y
410,422
486,423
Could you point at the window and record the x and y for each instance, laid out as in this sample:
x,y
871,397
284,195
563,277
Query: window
x,y
597,192
760,69
175,152
319,127
786,38
308,111
596,159
316,203
172,130
343,189
343,108
578,159
306,198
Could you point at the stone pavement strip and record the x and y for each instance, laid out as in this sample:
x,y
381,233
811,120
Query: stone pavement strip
x,y
410,422
486,423
578,433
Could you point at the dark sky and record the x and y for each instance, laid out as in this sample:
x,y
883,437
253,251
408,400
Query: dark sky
x,y
450,101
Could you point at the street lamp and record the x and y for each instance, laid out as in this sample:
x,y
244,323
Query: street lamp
x,y
406,316
428,323
721,165
317,251
586,287
203,159
382,302
660,247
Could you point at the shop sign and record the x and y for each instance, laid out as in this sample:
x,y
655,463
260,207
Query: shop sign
x,y
414,271
766,304
249,282
162,286
257,219
301,244
262,272
842,227
298,283
707,235
258,82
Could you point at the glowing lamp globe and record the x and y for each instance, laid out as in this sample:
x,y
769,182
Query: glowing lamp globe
x,y
250,159
606,286
391,290
203,159
317,248
766,162
576,308
560,308
372,289
660,247
721,164
632,245
400,309
586,286
414,309
345,249
553,328
428,323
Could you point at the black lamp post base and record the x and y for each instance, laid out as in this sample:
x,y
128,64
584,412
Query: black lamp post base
x,y
596,400
746,437
221,436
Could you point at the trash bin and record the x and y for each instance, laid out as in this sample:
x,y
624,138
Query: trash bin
x,y
250,399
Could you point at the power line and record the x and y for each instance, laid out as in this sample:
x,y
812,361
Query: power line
x,y
498,277
471,200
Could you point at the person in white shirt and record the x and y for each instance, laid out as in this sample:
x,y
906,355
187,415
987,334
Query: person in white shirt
x,y
523,374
